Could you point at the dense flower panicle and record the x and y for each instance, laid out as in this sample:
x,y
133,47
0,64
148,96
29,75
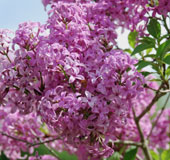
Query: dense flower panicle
x,y
5,40
23,75
28,35
67,23
6,37
159,137
94,109
107,13
5,48
81,94
20,127
129,131
131,14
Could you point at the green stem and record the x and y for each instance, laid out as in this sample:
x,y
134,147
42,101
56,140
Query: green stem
x,y
8,58
143,140
138,144
154,100
52,152
165,25
156,121
42,86
67,78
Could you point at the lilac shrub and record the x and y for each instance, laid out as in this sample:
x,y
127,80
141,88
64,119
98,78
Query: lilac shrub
x,y
69,76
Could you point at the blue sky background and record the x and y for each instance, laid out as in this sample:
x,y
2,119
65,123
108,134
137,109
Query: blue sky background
x,y
14,12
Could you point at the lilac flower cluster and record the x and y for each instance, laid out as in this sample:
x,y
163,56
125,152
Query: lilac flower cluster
x,y
25,128
155,129
67,75
81,88
131,14
130,131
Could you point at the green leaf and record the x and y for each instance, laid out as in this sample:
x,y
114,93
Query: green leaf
x,y
163,49
130,153
160,62
164,36
154,28
165,155
155,80
167,72
151,55
43,150
3,157
115,156
44,129
141,64
147,40
167,59
156,68
154,155
66,156
128,50
149,51
142,47
153,117
145,73
132,38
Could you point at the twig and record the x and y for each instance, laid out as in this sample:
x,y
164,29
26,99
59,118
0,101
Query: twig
x,y
165,91
50,150
29,143
156,121
143,140
146,86
165,25
8,58
43,142
138,126
138,157
162,91
154,100
14,138
34,144
138,144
